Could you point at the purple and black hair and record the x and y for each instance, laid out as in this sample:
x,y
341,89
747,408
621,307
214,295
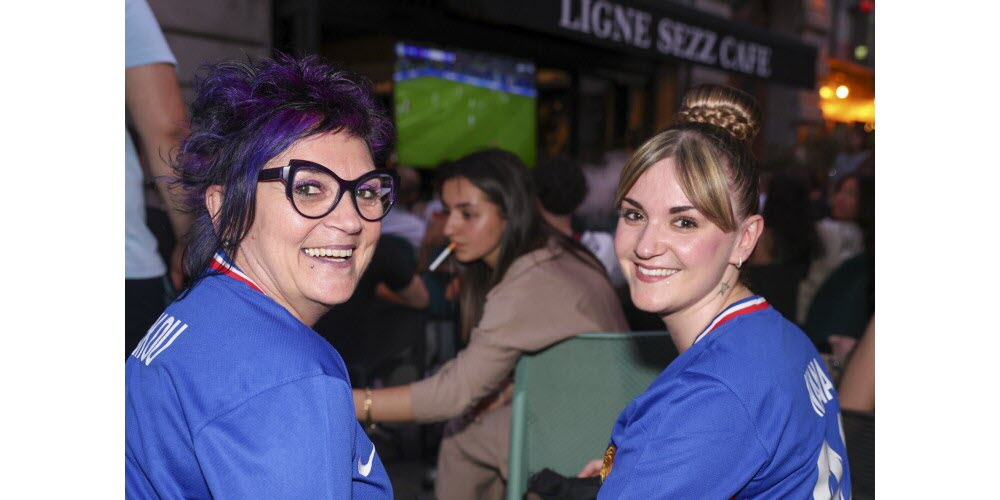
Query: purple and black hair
x,y
245,114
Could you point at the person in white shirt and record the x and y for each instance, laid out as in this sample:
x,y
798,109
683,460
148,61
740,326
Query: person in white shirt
x,y
841,234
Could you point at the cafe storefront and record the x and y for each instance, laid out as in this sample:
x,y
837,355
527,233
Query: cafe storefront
x,y
608,74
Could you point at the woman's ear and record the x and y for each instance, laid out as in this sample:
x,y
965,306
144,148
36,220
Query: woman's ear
x,y
214,197
750,232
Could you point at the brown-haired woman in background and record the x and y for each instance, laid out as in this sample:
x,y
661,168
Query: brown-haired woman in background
x,y
524,287
747,409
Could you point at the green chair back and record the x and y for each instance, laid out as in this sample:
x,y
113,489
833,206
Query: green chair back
x,y
568,396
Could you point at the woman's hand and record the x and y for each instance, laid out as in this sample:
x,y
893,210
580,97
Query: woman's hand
x,y
841,347
593,468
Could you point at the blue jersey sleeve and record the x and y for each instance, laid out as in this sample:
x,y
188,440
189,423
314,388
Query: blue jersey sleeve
x,y
696,440
297,440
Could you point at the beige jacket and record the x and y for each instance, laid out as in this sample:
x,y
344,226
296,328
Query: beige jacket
x,y
546,296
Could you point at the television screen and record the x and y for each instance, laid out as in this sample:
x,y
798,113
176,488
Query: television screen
x,y
450,103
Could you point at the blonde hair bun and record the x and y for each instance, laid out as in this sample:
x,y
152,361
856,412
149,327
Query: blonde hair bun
x,y
730,109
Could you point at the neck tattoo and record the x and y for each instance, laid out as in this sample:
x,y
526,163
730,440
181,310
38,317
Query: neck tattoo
x,y
724,288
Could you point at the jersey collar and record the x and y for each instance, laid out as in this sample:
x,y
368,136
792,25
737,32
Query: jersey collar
x,y
223,265
738,308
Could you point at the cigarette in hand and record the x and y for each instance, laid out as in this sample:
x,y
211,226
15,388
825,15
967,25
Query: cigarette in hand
x,y
440,258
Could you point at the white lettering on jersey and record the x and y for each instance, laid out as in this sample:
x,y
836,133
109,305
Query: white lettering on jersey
x,y
819,387
164,331
365,469
828,463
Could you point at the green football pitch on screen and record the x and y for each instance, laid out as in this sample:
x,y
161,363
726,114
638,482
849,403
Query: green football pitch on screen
x,y
439,120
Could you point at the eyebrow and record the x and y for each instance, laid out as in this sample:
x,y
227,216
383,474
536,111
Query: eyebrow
x,y
636,203
673,210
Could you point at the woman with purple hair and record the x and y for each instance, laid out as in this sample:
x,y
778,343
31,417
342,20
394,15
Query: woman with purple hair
x,y
231,393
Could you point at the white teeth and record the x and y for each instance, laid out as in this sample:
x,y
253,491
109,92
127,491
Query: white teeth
x,y
656,272
329,252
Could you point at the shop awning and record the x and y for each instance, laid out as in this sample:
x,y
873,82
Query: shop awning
x,y
659,30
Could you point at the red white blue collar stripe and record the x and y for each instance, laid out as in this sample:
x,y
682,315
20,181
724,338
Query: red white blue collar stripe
x,y
222,264
745,306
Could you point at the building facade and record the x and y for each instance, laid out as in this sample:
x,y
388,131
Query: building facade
x,y
609,73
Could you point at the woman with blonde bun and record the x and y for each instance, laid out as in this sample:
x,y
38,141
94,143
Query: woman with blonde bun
x,y
747,409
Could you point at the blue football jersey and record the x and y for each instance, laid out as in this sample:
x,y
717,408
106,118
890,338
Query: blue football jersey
x,y
748,411
230,396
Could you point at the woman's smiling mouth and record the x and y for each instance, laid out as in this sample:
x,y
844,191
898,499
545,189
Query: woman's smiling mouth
x,y
332,254
651,274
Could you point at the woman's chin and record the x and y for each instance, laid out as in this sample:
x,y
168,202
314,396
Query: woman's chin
x,y
333,297
651,304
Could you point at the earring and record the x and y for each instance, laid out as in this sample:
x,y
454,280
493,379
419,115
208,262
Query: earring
x,y
740,264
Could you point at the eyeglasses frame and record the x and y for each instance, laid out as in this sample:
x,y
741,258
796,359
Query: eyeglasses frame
x,y
284,174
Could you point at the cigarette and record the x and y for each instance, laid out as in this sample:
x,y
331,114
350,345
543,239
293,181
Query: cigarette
x,y
440,258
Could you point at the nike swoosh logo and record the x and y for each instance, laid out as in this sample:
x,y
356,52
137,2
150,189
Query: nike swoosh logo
x,y
365,469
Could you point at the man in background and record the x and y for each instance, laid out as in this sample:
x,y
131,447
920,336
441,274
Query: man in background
x,y
156,111
561,188
401,221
